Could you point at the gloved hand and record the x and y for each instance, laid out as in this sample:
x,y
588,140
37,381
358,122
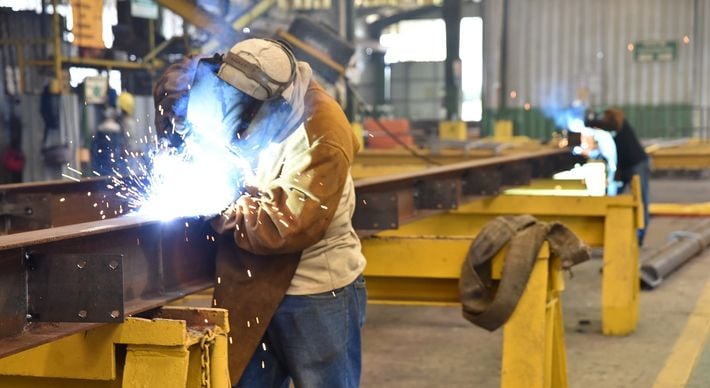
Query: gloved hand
x,y
226,221
170,95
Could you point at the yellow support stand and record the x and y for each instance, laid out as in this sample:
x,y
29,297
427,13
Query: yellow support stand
x,y
694,155
434,248
608,222
453,130
185,347
503,130
536,325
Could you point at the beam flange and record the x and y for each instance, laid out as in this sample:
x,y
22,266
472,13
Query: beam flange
x,y
162,261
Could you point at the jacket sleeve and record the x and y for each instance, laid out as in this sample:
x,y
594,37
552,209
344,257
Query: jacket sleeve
x,y
297,208
294,211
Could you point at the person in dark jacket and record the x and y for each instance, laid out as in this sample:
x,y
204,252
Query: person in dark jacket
x,y
633,159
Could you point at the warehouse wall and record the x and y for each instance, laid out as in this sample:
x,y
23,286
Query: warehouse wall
x,y
417,90
702,50
560,50
33,131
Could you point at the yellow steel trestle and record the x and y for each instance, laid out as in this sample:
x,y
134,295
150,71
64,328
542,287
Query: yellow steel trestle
x,y
608,222
420,263
185,347
406,268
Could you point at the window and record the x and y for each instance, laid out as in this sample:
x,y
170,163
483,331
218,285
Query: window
x,y
78,74
423,41
471,53
22,5
415,41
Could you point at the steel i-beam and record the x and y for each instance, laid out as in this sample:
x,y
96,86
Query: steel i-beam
x,y
86,274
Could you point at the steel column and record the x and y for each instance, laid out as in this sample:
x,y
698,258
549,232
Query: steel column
x,y
451,12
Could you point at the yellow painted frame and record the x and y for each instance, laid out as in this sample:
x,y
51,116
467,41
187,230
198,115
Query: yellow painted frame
x,y
158,353
608,222
409,268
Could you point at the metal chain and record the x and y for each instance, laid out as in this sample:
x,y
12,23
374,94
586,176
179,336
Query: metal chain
x,y
206,342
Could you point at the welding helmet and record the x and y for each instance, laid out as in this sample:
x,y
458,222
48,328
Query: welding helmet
x,y
255,74
262,68
214,104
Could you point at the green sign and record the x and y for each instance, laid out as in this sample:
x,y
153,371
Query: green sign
x,y
95,90
655,51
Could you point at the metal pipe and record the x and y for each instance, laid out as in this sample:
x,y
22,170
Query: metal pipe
x,y
683,245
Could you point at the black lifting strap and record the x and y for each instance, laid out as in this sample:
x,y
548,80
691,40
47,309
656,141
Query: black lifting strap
x,y
489,303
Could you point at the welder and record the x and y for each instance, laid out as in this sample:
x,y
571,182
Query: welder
x,y
633,159
597,144
289,264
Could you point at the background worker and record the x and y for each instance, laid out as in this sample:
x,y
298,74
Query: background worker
x,y
298,203
108,145
633,159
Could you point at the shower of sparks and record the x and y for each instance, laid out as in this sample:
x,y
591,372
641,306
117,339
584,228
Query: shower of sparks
x,y
201,176
71,178
74,170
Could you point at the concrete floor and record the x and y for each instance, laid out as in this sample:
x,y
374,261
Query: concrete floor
x,y
435,347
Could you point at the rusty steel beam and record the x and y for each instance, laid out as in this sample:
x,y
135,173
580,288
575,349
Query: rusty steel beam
x,y
31,206
77,271
63,280
388,201
39,205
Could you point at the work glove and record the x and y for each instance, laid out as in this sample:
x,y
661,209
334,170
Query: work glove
x,y
170,95
227,220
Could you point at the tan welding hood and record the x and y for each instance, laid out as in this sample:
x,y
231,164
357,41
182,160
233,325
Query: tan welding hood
x,y
261,68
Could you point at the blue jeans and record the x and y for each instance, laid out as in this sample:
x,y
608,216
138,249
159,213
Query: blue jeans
x,y
312,339
643,170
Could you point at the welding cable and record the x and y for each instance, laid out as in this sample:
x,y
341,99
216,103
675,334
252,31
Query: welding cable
x,y
371,113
